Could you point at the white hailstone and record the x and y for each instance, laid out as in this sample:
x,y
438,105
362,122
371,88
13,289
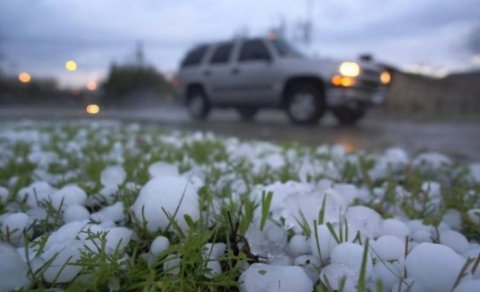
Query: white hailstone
x,y
453,218
262,277
174,195
161,168
69,195
214,250
310,264
117,238
475,172
422,236
3,195
367,220
455,240
65,233
326,240
108,193
348,191
409,285
351,255
113,213
14,225
172,264
431,161
159,245
214,269
299,245
75,213
113,176
474,215
35,193
332,275
388,273
395,227
63,258
468,286
13,270
281,260
434,266
388,248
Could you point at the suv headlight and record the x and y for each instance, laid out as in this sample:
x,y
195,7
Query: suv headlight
x,y
349,69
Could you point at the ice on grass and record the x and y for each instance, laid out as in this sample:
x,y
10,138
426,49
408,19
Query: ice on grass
x,y
332,275
299,245
323,242
455,240
351,255
474,215
212,253
431,161
3,195
113,213
161,168
66,233
409,285
113,176
159,245
267,278
453,218
175,196
434,266
388,248
63,258
14,225
310,264
69,195
117,238
13,270
395,227
388,273
172,264
35,193
475,171
75,213
367,220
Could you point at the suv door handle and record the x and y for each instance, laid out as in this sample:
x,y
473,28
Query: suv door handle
x,y
235,71
207,73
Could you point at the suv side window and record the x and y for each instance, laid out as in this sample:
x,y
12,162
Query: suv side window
x,y
194,57
254,50
222,54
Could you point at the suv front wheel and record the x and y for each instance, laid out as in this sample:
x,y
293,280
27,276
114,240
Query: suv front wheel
x,y
349,114
197,104
305,103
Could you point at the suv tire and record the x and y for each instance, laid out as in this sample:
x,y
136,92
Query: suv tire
x,y
247,114
198,104
305,103
348,115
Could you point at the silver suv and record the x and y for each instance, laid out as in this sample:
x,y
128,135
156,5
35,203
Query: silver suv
x,y
256,73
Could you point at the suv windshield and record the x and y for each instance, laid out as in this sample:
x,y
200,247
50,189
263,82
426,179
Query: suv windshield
x,y
284,49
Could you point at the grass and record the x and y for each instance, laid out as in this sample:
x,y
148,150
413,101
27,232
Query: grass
x,y
79,153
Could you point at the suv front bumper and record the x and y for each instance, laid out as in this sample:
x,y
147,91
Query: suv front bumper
x,y
337,96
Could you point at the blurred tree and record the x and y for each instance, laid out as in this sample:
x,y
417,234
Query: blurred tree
x,y
128,82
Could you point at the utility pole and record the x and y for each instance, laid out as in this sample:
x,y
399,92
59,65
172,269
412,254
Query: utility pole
x,y
139,55
308,24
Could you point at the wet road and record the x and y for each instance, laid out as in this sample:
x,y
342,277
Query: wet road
x,y
459,139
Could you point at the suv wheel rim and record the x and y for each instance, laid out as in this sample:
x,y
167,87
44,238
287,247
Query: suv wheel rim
x,y
302,106
196,105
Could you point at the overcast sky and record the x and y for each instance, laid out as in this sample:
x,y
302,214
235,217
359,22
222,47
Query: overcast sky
x,y
38,36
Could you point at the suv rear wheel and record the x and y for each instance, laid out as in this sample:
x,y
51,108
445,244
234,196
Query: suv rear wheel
x,y
198,105
349,114
305,103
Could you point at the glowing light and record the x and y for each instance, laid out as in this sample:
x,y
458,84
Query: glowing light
x,y
349,69
24,77
92,109
338,80
91,85
71,65
385,77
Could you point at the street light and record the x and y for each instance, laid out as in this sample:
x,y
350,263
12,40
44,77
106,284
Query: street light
x,y
71,65
24,77
91,85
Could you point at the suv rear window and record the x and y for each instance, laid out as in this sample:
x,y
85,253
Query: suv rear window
x,y
194,57
254,50
222,54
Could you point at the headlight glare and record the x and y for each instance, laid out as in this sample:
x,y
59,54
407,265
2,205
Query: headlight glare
x,y
349,69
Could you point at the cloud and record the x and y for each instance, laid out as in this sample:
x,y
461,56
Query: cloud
x,y
39,35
